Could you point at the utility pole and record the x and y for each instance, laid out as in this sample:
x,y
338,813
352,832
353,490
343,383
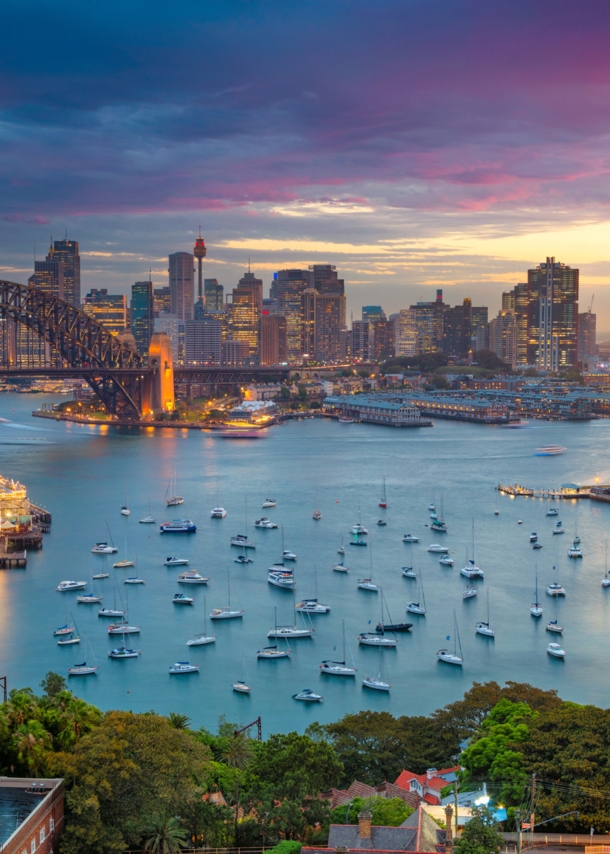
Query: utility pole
x,y
533,811
455,796
518,819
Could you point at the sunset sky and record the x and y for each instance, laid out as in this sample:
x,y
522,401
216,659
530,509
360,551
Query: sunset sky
x,y
415,144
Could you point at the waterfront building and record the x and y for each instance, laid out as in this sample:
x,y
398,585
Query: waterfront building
x,y
288,285
200,251
272,339
162,301
213,295
587,343
503,336
376,410
181,285
108,309
66,252
552,315
202,342
173,327
234,352
142,314
456,407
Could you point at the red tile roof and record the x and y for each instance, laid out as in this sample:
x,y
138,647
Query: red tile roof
x,y
405,777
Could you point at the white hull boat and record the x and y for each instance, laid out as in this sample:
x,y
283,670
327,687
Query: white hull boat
x,y
337,668
191,578
445,560
101,575
123,629
225,614
555,589
409,572
555,650
554,627
182,667
201,640
148,520
340,567
82,669
176,561
292,632
122,652
103,549
218,513
409,538
241,687
312,606
242,542
416,608
380,641
375,684
111,612
88,599
439,550
270,653
308,696
123,564
368,585
67,586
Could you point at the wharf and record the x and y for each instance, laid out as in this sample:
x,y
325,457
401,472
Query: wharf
x,y
570,491
14,560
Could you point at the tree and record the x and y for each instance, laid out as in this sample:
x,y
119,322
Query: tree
x,y
163,835
296,765
488,359
480,834
32,743
179,721
238,756
53,683
386,812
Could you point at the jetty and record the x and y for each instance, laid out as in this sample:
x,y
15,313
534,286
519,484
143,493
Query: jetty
x,y
596,492
22,524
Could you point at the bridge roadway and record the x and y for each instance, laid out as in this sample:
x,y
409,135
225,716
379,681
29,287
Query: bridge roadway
x,y
224,375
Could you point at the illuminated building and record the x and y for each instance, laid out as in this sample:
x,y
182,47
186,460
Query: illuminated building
x,y
162,301
429,320
108,309
142,315
517,300
272,340
383,339
49,277
503,336
173,327
160,353
287,287
587,339
202,342
552,316
244,315
234,352
213,295
324,278
66,251
200,252
405,333
250,282
181,285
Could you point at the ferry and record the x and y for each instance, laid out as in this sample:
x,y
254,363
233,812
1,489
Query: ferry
x,y
178,526
550,451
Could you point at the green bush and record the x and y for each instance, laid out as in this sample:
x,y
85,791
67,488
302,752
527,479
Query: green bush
x,y
286,847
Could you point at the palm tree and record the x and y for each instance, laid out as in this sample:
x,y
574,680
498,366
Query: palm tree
x,y
32,742
77,718
179,721
164,835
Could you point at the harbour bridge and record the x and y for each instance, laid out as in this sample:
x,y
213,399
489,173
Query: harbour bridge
x,y
127,385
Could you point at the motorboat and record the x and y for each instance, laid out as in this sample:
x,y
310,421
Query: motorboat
x,y
575,550
496,512
377,640
550,451
343,419
555,589
88,599
433,514
456,657
431,506
111,612
279,576
243,559
288,555
103,549
123,629
606,581
182,667
534,537
83,669
182,599
125,511
270,653
552,511
367,584
445,560
176,561
382,523
469,592
99,576
375,683
555,650
63,630
133,580
410,538
218,513
471,570
409,572
576,540
357,542
558,529
191,577
554,627
308,696
435,548
66,586
416,608
340,567
240,687
148,520
380,628
312,606
122,652
269,502
265,523
178,526
358,529
242,542
123,564
537,546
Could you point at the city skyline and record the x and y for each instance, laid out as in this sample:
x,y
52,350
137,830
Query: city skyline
x,y
416,157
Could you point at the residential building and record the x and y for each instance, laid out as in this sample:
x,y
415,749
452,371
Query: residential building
x,y
32,813
234,352
383,339
288,285
162,301
213,295
142,315
587,344
108,309
517,300
174,328
429,785
479,332
503,336
181,285
66,252
308,324
272,339
202,342
322,326
362,343
429,321
552,315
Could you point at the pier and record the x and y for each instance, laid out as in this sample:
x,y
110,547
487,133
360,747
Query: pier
x,y
22,524
570,491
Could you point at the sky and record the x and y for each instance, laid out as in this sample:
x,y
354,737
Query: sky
x,y
415,144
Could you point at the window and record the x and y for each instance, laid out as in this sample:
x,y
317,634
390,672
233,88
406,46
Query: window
x,y
51,825
41,835
33,845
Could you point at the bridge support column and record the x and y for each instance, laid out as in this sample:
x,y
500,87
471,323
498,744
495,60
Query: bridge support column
x,y
160,357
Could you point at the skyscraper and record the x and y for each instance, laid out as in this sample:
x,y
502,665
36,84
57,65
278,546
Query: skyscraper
x,y
429,317
288,286
249,280
66,251
503,336
142,315
181,286
552,315
457,329
202,340
517,300
108,309
49,277
162,301
587,343
272,339
244,316
405,333
200,252
213,295
325,279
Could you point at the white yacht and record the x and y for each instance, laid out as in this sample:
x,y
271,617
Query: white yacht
x,y
555,650
226,614
279,576
202,639
409,538
134,580
456,657
555,589
416,608
191,577
375,683
270,653
172,499
148,520
123,629
176,561
123,564
243,559
269,502
367,584
575,550
293,632
111,612
88,599
554,627
484,627
558,529
182,667
66,586
218,513
121,652
409,572
308,696
470,570
103,549
340,567
312,606
435,548
242,542
288,555
445,560
182,599
378,640
266,523
536,609
358,529
469,592
240,687
431,506
125,511
83,669
552,511
339,668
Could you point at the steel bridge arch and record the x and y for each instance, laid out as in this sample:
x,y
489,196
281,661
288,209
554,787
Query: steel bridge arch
x,y
81,342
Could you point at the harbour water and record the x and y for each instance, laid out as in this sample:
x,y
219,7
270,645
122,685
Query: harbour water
x,y
83,475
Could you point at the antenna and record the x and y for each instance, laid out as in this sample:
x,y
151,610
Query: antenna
x,y
150,275
591,306
248,264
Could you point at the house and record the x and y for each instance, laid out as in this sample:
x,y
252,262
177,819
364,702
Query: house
x,y
429,785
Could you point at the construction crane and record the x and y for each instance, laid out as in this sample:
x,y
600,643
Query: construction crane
x,y
591,305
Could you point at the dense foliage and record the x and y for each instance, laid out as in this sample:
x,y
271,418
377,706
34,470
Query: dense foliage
x,y
480,835
389,812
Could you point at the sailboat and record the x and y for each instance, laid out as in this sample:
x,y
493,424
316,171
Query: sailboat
x,y
227,613
316,515
384,501
240,686
114,611
378,638
367,583
218,512
205,638
418,607
83,669
453,657
273,652
172,499
358,528
341,549
471,570
483,628
66,629
536,609
376,683
123,627
339,668
241,540
409,571
606,578
73,637
88,598
126,562
438,523
286,553
148,520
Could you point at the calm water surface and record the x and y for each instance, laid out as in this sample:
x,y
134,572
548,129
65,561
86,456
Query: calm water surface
x,y
84,474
